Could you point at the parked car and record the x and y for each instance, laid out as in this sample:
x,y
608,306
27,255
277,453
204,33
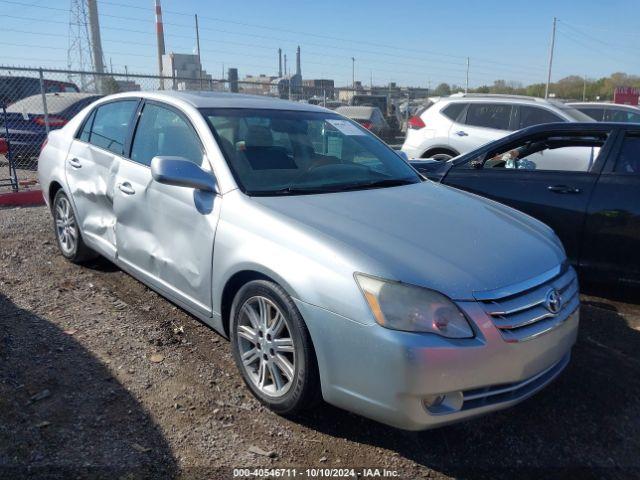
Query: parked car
x,y
370,118
460,123
609,112
582,179
13,89
25,119
331,265
387,108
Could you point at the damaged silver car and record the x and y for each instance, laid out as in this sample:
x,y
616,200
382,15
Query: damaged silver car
x,y
336,271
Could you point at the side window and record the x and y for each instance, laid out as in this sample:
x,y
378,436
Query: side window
x,y
530,116
453,110
557,153
489,115
596,113
85,134
620,115
163,132
629,159
111,125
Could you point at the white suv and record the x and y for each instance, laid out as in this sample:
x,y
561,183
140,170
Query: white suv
x,y
460,123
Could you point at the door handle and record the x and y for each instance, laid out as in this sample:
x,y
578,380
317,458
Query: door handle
x,y
563,189
462,133
75,163
126,188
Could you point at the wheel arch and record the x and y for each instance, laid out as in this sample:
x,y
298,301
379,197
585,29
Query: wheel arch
x,y
439,149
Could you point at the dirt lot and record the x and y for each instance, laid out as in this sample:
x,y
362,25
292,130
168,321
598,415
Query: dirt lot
x,y
100,377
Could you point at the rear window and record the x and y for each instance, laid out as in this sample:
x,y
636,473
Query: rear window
x,y
489,115
55,103
453,110
595,113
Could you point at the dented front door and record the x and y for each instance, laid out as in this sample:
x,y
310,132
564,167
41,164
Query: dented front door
x,y
165,233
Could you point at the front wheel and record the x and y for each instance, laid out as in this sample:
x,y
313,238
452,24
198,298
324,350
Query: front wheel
x,y
68,236
272,348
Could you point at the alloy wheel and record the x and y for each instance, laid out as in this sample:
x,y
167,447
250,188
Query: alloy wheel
x,y
66,225
266,347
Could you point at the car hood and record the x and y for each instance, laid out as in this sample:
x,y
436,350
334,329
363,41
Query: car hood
x,y
428,234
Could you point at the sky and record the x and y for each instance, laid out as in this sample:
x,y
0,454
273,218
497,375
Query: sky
x,y
413,42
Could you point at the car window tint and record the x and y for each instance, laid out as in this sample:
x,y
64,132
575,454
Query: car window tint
x,y
86,129
163,132
453,110
629,159
111,125
530,116
557,153
620,115
595,113
489,115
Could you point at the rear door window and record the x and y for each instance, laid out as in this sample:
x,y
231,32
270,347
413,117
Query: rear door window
x,y
489,115
453,110
111,125
596,113
530,116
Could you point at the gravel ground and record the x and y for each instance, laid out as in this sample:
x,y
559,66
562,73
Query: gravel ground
x,y
102,378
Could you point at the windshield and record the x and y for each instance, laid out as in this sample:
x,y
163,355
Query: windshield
x,y
281,152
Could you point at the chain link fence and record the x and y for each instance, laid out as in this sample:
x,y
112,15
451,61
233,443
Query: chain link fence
x,y
34,101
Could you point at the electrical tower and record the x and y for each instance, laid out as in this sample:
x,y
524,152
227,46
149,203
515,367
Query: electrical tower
x,y
84,52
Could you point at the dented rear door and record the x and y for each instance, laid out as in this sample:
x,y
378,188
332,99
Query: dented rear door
x,y
91,167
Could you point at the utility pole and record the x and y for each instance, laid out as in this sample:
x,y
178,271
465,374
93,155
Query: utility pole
x,y
466,85
584,88
553,44
96,42
353,74
198,47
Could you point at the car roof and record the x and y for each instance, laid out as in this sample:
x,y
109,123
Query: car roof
x,y
603,105
223,100
496,98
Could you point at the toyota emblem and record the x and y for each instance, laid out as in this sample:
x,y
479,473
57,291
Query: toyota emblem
x,y
553,301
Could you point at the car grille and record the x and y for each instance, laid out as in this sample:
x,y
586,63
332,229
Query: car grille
x,y
529,313
481,397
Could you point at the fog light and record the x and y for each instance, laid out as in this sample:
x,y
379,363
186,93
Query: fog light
x,y
443,403
433,401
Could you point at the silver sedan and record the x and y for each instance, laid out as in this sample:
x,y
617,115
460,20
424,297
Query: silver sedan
x,y
336,271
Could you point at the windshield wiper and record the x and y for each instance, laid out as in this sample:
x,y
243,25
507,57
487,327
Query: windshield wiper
x,y
342,187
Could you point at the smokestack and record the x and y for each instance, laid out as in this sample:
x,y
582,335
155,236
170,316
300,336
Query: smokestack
x,y
298,69
285,64
160,35
280,62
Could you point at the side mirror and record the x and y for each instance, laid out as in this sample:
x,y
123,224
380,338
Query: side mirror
x,y
403,155
181,172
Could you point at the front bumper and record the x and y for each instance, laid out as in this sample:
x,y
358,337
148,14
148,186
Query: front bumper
x,y
387,374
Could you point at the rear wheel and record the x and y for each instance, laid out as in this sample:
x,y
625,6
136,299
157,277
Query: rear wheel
x,y
272,348
66,229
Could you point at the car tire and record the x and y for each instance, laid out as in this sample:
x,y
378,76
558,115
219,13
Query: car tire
x,y
272,348
67,232
440,155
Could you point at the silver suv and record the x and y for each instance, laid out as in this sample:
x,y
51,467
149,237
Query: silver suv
x,y
462,122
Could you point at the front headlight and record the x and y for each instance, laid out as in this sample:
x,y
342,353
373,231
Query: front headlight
x,y
413,309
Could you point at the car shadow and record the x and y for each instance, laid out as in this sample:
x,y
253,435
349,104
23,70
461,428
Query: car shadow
x,y
63,414
585,424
